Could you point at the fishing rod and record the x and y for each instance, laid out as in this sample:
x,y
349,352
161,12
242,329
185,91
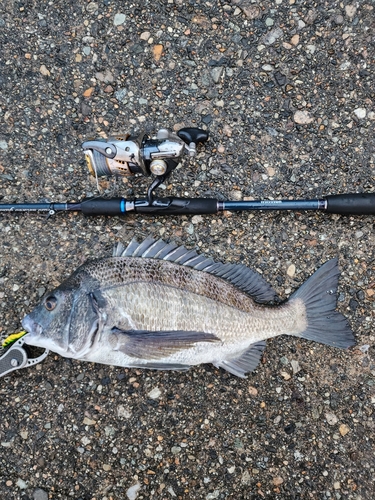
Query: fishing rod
x,y
158,157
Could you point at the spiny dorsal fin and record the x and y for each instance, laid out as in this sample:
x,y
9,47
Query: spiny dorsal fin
x,y
239,275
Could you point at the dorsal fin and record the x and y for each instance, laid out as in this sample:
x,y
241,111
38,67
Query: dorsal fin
x,y
239,275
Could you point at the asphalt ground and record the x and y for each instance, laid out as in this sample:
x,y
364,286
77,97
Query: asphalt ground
x,y
286,91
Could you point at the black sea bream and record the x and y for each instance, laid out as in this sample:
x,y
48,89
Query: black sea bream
x,y
160,306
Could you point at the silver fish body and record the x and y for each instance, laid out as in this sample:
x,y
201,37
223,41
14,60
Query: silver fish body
x,y
156,305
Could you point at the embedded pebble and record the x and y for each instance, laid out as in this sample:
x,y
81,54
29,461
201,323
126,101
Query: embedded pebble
x,y
303,117
132,492
154,393
344,429
360,112
119,19
331,418
216,74
22,485
291,271
40,494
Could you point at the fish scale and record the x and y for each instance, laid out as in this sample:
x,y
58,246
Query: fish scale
x,y
161,306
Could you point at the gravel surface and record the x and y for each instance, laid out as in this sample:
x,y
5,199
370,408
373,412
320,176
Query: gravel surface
x,y
286,90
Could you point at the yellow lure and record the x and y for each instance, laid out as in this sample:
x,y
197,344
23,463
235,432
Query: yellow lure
x,y
12,338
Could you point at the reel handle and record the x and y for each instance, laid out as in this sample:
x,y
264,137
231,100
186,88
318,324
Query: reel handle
x,y
191,134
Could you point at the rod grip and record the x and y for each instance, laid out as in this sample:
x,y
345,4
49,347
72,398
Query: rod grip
x,y
102,206
179,206
351,204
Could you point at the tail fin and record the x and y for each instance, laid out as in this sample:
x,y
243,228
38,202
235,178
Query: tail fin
x,y
324,324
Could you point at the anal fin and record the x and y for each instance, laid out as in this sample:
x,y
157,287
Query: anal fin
x,y
245,363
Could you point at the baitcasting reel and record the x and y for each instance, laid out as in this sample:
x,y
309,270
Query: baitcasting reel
x,y
127,155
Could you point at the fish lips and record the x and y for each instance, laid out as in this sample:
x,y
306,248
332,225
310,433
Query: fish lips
x,y
32,328
36,337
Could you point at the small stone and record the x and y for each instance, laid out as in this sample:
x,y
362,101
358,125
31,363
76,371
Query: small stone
x,y
253,391
88,421
344,429
92,7
295,40
336,485
331,418
295,366
272,36
216,73
270,21
277,480
132,492
246,477
251,11
290,428
106,467
123,412
155,393
145,35
120,94
213,495
175,450
360,112
196,219
40,494
85,440
303,117
285,375
345,65
339,19
280,78
119,19
3,145
236,195
88,92
24,434
291,271
21,484
44,70
157,51
350,11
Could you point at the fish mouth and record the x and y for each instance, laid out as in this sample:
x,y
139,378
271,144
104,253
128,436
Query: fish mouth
x,y
33,329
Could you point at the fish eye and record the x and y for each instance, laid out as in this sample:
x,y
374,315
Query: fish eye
x,y
50,303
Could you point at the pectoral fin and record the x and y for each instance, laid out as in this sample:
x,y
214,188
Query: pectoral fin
x,y
157,345
246,363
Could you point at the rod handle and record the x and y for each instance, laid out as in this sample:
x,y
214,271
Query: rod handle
x,y
178,206
351,204
103,206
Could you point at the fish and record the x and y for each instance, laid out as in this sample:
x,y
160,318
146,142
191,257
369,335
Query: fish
x,y
157,305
